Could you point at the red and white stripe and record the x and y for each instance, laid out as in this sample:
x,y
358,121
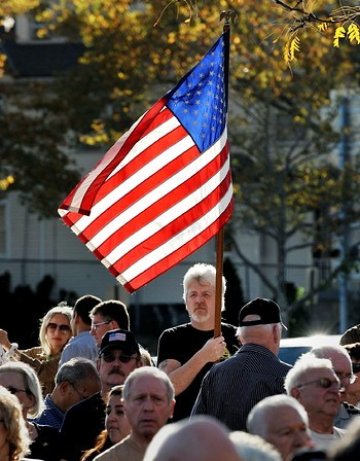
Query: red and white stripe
x,y
153,199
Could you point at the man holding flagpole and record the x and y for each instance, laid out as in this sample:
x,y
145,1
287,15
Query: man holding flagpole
x,y
188,351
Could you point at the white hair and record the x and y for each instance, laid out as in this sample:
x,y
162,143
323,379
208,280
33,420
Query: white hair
x,y
305,363
203,274
153,372
256,421
253,447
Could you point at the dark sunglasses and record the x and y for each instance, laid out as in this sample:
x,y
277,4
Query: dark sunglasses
x,y
122,358
54,326
324,383
356,367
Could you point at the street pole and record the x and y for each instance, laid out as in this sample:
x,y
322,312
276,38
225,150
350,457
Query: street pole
x,y
344,237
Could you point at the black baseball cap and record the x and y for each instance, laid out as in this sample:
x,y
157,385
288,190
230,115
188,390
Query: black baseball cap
x,y
119,339
265,310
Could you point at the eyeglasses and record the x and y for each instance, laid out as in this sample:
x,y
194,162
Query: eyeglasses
x,y
122,358
15,390
95,326
54,326
348,376
356,367
324,383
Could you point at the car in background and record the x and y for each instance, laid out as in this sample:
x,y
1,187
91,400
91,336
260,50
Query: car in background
x,y
292,348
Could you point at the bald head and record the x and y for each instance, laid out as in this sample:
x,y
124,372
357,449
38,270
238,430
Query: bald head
x,y
341,362
201,438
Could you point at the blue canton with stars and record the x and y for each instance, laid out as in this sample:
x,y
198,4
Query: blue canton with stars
x,y
199,101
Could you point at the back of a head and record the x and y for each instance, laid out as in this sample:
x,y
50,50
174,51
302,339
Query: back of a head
x,y
253,447
113,309
328,351
260,322
264,412
201,438
84,305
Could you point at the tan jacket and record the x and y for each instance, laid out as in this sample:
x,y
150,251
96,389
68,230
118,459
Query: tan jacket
x,y
45,366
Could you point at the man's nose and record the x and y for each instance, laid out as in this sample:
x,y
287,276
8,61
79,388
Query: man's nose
x,y
148,403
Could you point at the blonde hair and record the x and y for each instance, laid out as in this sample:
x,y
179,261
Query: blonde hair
x,y
44,322
17,433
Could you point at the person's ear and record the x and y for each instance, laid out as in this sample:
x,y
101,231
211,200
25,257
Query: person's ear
x,y
276,334
295,393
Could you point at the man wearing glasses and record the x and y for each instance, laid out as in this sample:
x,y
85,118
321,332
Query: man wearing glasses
x,y
106,316
341,362
75,381
119,354
313,382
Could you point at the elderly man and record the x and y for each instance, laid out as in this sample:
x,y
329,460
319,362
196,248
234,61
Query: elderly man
x,y
148,403
313,382
231,388
76,380
341,362
119,355
282,421
188,351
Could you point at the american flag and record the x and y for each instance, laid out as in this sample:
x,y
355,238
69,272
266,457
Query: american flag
x,y
164,188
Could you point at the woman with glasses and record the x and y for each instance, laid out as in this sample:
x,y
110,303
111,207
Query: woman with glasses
x,y
55,332
21,381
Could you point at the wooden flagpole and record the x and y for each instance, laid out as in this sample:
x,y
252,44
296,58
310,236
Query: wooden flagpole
x,y
218,285
227,16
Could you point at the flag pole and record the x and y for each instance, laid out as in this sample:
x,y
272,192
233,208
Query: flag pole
x,y
227,16
218,289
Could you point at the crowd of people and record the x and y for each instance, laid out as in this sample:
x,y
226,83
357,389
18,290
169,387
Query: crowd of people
x,y
90,392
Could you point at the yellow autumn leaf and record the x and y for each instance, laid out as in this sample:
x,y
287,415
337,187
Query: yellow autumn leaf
x,y
353,33
322,26
340,32
290,48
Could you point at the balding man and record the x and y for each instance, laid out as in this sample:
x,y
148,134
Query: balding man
x,y
341,362
200,439
231,388
282,421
